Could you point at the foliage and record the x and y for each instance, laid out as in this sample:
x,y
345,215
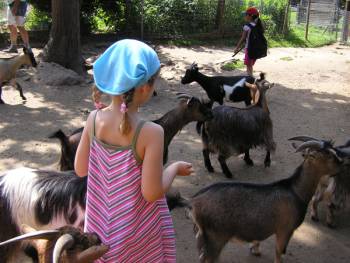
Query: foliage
x,y
183,21
272,13
235,64
296,38
37,19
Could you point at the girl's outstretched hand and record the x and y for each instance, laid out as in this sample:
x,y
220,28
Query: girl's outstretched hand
x,y
184,168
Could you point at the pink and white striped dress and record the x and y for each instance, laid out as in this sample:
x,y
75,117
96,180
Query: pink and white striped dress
x,y
135,230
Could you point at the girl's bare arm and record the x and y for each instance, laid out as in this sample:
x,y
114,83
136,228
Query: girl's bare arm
x,y
155,183
242,39
81,162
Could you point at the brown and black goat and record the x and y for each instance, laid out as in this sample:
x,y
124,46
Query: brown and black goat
x,y
236,130
189,109
253,212
9,67
64,245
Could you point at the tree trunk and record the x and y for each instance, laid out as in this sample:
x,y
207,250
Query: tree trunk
x,y
63,46
219,21
128,6
285,28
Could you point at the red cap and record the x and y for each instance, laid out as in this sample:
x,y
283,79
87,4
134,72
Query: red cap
x,y
252,11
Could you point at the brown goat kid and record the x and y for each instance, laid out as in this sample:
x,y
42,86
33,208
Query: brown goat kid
x,y
9,67
65,245
223,211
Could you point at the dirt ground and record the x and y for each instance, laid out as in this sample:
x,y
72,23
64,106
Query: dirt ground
x,y
311,97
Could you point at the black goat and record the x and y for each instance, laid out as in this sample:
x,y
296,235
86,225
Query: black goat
x,y
232,88
252,212
189,109
236,130
8,69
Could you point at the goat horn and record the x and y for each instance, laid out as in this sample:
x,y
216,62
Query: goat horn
x,y
346,145
344,151
42,234
183,96
311,144
92,253
65,241
303,139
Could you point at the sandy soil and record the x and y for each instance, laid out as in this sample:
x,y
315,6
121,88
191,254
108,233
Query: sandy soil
x,y
311,96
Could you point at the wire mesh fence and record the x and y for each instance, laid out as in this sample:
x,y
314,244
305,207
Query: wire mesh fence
x,y
177,19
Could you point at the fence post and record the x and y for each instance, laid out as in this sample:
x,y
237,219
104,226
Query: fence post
x,y
286,16
345,32
307,19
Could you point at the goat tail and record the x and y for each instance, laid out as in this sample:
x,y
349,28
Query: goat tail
x,y
176,200
199,127
59,135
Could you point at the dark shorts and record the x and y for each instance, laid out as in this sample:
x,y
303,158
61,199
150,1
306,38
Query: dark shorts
x,y
22,8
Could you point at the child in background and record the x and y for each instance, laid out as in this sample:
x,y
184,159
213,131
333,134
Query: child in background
x,y
253,20
122,156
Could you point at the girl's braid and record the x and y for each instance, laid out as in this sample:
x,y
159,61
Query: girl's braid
x,y
125,126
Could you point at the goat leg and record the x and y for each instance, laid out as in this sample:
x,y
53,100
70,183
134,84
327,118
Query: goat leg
x,y
330,215
225,170
20,90
282,240
247,159
209,247
254,248
207,162
1,101
267,160
316,199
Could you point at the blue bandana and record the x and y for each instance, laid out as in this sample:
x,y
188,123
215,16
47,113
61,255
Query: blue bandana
x,y
125,65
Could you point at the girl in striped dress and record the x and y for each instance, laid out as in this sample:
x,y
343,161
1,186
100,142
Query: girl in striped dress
x,y
122,156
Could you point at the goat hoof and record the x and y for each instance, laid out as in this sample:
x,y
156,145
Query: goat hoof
x,y
255,253
210,169
228,175
267,164
249,162
330,225
24,98
314,218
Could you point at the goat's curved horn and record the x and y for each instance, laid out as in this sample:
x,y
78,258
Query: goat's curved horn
x,y
65,241
42,234
344,151
303,139
346,145
183,96
92,253
295,146
311,144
